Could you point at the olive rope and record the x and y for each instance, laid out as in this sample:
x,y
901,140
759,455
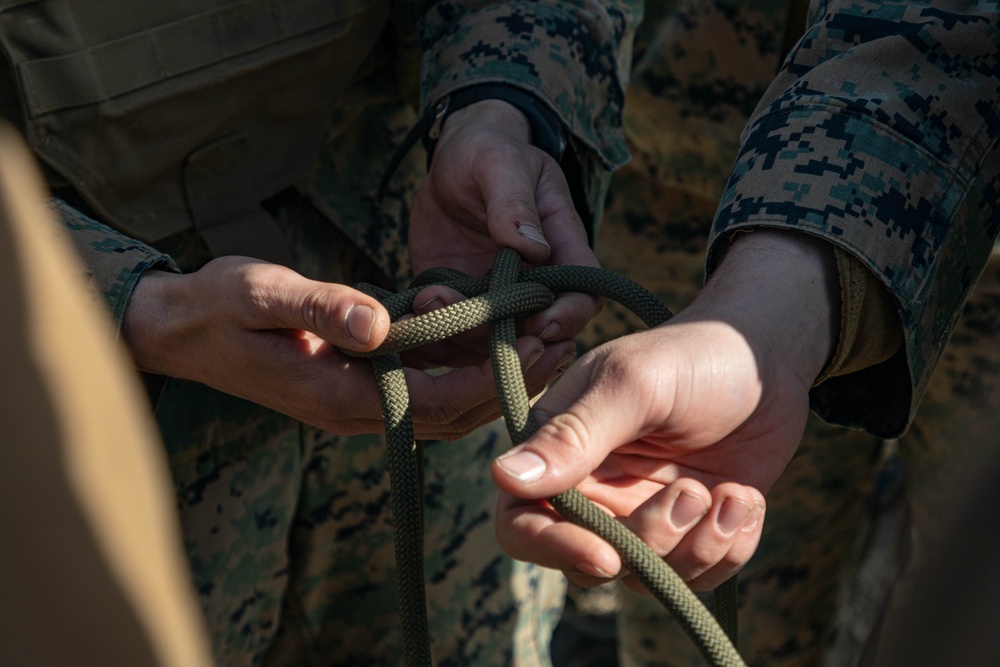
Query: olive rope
x,y
496,300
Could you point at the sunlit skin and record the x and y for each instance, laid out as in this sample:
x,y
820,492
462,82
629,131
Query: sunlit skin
x,y
681,430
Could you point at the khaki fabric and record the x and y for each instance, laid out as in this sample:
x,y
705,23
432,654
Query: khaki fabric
x,y
91,570
870,332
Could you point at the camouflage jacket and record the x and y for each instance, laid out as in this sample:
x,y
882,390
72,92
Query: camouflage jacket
x,y
880,135
572,54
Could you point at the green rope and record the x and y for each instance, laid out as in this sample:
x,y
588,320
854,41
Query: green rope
x,y
496,300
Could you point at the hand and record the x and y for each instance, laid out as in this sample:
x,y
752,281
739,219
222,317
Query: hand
x,y
487,189
680,430
263,332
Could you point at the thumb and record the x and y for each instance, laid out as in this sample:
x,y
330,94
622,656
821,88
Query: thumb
x,y
584,417
338,314
512,212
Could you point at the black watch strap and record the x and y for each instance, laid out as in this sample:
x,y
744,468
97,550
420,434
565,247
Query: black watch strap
x,y
546,128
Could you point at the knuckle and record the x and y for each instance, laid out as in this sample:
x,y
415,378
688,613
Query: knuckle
x,y
703,556
259,283
446,415
614,369
570,430
661,544
520,201
258,293
318,306
740,554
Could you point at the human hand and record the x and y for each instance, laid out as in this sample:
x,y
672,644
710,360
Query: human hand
x,y
680,430
489,188
262,332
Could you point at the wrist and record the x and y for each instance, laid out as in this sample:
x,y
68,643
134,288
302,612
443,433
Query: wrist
x,y
544,126
780,290
496,113
152,321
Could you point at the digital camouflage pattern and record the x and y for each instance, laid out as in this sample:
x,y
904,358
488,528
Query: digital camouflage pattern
x,y
271,508
833,539
287,529
699,69
589,37
289,534
882,129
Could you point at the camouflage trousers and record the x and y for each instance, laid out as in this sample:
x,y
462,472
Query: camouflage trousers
x,y
845,516
289,536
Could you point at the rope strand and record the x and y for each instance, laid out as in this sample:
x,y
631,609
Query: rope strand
x,y
497,299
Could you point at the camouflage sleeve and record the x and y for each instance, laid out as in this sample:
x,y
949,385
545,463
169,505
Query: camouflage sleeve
x,y
880,135
114,262
572,54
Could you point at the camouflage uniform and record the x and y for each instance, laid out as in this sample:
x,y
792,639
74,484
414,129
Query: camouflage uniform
x,y
287,528
879,135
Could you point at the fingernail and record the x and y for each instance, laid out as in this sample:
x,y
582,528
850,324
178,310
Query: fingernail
x,y
532,234
758,512
524,466
429,305
533,357
566,358
593,571
360,322
732,515
551,330
688,508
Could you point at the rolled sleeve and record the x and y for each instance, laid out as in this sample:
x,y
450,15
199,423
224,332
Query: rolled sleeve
x,y
880,136
572,55
114,262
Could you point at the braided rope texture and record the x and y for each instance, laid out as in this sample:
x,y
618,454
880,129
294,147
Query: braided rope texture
x,y
496,300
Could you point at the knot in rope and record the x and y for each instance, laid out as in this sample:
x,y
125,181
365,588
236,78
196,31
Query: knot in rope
x,y
497,299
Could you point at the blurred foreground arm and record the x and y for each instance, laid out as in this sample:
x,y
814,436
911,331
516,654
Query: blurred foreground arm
x,y
92,571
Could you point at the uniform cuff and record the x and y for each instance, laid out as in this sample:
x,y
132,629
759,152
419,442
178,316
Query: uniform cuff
x,y
870,332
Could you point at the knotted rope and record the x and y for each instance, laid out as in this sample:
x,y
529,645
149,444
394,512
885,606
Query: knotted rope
x,y
496,300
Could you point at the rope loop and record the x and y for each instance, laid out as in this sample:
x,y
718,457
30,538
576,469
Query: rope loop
x,y
497,299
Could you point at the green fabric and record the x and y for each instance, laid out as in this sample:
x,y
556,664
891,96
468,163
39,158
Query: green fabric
x,y
120,66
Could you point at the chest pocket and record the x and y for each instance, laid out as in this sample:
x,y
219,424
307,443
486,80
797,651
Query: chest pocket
x,y
179,113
